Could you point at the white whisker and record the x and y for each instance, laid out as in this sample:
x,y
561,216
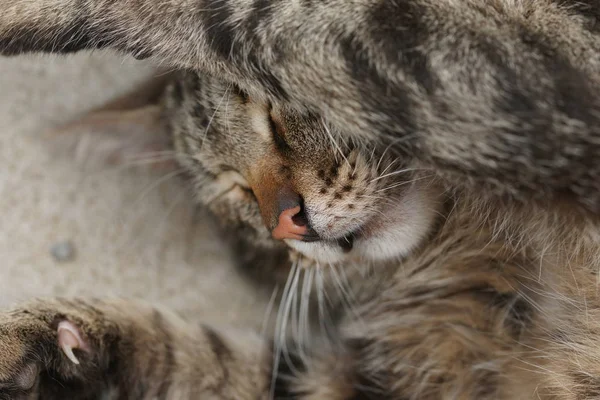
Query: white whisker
x,y
304,317
269,311
394,173
277,340
333,141
402,183
292,295
157,183
212,117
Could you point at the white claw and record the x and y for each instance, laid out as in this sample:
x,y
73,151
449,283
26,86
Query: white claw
x,y
69,339
69,353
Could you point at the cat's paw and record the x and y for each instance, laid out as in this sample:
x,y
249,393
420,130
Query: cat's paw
x,y
51,350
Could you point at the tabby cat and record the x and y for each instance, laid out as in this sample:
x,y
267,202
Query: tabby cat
x,y
424,172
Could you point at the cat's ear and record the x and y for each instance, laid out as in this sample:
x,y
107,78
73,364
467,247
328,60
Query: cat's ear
x,y
129,131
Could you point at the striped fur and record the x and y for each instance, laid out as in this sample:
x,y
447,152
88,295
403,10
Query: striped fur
x,y
523,74
497,300
468,316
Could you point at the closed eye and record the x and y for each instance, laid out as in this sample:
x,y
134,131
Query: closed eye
x,y
278,133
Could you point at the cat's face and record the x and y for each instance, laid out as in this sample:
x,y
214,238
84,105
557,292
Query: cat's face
x,y
289,176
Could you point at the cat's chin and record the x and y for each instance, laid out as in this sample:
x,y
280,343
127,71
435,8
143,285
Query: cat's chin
x,y
390,235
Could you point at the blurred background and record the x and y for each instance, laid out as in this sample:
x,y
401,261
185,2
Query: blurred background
x,y
69,231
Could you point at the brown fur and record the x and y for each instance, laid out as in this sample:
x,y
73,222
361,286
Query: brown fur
x,y
521,74
492,107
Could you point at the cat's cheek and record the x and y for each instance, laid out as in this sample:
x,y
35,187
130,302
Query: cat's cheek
x,y
403,226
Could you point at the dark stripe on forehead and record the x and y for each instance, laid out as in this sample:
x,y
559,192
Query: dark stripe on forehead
x,y
177,92
200,115
196,81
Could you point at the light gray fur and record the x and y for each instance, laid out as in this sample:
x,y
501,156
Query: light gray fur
x,y
498,99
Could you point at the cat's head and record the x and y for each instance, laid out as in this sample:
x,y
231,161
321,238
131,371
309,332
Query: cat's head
x,y
289,176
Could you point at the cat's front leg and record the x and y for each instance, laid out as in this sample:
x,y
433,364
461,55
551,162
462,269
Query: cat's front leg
x,y
469,89
74,349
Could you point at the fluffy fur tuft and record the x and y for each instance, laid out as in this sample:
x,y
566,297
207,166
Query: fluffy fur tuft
x,y
471,272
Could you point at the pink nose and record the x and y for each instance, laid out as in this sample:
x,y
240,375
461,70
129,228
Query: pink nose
x,y
289,227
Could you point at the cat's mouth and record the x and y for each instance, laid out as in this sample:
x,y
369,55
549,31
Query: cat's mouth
x,y
294,226
346,242
390,234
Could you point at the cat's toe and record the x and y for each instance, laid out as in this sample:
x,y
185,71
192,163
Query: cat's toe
x,y
43,352
26,377
70,338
